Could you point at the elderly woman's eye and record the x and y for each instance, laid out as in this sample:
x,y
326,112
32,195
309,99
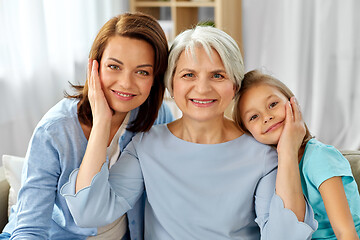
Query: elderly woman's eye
x,y
218,76
188,75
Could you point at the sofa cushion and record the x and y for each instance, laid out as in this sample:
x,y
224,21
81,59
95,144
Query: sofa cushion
x,y
354,158
13,167
4,194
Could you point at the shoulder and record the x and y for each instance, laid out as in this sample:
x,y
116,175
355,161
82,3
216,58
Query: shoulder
x,y
321,162
264,155
156,133
60,117
316,151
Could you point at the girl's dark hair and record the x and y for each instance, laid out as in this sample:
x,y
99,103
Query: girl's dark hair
x,y
254,78
138,26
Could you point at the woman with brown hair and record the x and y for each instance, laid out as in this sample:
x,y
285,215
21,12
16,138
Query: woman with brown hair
x,y
128,59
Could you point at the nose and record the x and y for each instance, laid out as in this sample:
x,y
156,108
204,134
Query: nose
x,y
268,118
126,80
203,85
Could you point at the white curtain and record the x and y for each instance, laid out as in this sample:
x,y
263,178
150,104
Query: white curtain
x,y
44,44
313,46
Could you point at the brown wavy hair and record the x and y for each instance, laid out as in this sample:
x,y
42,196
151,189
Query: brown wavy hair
x,y
254,78
137,26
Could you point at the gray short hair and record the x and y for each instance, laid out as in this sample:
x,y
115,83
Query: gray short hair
x,y
208,38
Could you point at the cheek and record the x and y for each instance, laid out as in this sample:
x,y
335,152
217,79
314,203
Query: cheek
x,y
178,88
254,130
146,86
229,91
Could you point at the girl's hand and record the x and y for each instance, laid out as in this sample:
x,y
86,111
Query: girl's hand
x,y
294,130
288,183
99,105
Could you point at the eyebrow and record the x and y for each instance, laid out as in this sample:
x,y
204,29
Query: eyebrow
x,y
192,70
138,66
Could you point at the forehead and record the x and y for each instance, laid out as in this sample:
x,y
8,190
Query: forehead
x,y
198,56
128,46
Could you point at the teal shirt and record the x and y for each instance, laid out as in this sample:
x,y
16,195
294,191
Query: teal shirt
x,y
319,163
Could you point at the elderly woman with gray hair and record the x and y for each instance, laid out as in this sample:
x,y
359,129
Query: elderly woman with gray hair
x,y
203,177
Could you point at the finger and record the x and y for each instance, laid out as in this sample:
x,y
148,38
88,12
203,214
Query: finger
x,y
289,113
296,109
95,75
89,67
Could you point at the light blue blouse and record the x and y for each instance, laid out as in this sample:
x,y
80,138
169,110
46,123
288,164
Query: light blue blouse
x,y
57,148
319,163
194,191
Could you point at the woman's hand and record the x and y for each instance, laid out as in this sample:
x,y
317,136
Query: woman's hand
x,y
99,105
294,130
95,154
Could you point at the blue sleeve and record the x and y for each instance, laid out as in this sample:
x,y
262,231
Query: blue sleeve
x,y
275,221
324,162
111,193
164,115
39,185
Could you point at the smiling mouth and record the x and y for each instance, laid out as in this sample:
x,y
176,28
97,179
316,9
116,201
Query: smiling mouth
x,y
273,127
202,101
123,94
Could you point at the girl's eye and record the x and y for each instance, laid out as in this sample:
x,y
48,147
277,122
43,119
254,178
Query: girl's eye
x,y
143,73
273,104
218,76
253,117
114,67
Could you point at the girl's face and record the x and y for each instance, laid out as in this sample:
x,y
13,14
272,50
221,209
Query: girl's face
x,y
262,110
126,73
202,89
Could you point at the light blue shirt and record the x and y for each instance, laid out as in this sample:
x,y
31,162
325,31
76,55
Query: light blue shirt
x,y
57,148
194,191
319,163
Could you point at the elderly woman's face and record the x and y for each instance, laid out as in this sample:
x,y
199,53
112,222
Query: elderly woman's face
x,y
201,87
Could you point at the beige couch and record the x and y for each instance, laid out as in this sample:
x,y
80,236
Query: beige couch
x,y
352,156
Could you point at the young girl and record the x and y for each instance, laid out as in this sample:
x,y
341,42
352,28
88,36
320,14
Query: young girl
x,y
267,109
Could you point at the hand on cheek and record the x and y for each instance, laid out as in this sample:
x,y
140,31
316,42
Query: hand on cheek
x,y
99,105
294,129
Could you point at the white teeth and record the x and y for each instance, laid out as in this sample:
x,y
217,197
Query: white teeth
x,y
202,102
124,95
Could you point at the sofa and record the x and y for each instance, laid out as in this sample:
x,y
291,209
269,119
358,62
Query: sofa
x,y
352,156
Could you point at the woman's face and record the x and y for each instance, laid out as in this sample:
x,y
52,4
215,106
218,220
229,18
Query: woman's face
x,y
201,87
262,110
126,73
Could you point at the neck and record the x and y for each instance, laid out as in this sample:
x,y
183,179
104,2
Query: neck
x,y
116,122
208,132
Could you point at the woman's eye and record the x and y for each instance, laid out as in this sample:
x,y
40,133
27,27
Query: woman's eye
x,y
218,76
143,73
188,75
114,67
273,104
253,117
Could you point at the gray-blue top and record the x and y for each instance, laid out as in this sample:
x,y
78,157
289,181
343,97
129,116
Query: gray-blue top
x,y
57,147
195,191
